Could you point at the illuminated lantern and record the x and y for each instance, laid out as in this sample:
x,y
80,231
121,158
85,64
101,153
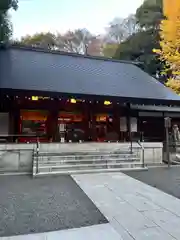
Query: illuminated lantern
x,y
107,103
73,100
34,98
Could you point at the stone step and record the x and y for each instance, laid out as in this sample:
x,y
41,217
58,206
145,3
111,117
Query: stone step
x,y
87,156
72,171
84,158
82,153
45,162
67,167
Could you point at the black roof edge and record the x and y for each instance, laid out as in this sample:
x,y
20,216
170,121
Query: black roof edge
x,y
130,100
40,49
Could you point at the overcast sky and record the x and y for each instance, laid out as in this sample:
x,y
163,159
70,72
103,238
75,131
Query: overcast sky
x,y
61,15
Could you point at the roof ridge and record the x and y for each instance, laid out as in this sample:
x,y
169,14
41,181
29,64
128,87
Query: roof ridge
x,y
58,52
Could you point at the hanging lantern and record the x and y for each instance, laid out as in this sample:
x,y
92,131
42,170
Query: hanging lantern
x,y
34,98
73,100
107,103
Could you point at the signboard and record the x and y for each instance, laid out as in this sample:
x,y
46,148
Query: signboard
x,y
101,117
172,115
61,127
70,117
150,114
167,122
123,124
34,115
133,124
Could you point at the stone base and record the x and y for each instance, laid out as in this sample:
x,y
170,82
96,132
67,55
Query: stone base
x,y
18,157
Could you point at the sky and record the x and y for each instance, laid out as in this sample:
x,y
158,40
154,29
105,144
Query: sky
x,y
62,15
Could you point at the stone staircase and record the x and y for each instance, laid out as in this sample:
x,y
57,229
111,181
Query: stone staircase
x,y
86,161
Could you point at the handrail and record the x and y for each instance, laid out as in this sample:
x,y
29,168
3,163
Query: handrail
x,y
16,136
37,155
142,149
22,135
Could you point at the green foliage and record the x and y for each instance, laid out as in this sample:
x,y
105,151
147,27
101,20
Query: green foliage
x,y
7,4
150,13
46,40
110,49
139,46
5,28
72,41
5,24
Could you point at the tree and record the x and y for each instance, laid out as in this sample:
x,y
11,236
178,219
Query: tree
x,y
78,41
169,50
95,46
138,46
120,29
7,4
43,40
110,49
74,41
150,14
5,24
5,28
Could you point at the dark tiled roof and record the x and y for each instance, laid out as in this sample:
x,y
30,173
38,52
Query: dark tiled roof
x,y
27,69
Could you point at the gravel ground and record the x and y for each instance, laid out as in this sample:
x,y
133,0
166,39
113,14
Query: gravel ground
x,y
167,180
44,204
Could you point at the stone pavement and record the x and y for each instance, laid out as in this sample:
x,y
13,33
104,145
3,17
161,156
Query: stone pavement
x,y
95,232
136,210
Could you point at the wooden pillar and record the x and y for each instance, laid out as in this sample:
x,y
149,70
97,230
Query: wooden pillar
x,y
129,124
51,125
15,121
92,123
55,128
116,120
86,122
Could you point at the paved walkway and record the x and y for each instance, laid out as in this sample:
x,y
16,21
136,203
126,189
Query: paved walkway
x,y
95,232
135,211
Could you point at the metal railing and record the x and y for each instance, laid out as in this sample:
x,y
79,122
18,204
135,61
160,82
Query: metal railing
x,y
39,155
13,138
142,151
4,140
